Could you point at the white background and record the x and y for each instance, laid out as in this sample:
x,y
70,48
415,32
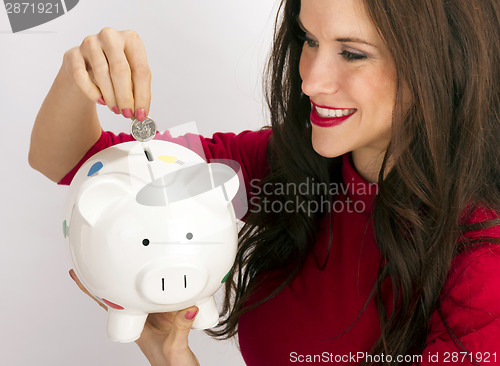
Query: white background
x,y
206,59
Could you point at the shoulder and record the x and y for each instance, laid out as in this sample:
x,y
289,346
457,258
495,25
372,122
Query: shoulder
x,y
469,305
473,271
480,221
473,278
468,317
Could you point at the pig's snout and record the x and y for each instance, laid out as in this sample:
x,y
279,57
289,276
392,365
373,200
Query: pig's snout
x,y
171,284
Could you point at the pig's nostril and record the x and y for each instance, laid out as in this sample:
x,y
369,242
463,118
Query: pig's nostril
x,y
163,283
189,236
145,242
171,282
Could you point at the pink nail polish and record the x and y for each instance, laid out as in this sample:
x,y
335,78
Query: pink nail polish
x,y
115,109
101,101
140,114
127,112
191,314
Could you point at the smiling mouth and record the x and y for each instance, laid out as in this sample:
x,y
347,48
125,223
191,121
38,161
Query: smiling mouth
x,y
333,112
328,112
323,116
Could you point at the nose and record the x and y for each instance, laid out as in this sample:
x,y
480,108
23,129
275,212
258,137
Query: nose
x,y
171,284
320,75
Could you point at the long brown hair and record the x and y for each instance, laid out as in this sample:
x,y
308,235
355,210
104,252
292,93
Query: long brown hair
x,y
444,150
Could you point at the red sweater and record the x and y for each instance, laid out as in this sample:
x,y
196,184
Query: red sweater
x,y
318,319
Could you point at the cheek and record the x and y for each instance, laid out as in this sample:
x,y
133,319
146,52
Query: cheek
x,y
375,92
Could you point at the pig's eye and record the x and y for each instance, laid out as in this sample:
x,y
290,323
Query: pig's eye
x,y
189,236
145,242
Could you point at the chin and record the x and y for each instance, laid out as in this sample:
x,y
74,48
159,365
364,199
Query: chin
x,y
327,148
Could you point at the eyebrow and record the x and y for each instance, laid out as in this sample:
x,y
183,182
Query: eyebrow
x,y
342,40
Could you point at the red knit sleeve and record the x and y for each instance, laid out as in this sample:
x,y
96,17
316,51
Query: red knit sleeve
x,y
466,330
106,139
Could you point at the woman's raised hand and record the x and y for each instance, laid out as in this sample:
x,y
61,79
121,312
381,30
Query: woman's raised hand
x,y
111,68
164,340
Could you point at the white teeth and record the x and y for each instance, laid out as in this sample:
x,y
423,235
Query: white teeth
x,y
325,113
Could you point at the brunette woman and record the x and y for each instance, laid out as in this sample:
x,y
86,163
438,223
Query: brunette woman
x,y
388,111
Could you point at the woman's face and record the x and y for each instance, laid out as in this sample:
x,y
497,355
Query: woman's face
x,y
346,71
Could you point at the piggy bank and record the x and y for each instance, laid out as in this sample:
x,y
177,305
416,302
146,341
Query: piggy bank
x,y
151,228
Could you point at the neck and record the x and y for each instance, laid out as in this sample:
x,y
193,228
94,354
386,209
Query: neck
x,y
368,164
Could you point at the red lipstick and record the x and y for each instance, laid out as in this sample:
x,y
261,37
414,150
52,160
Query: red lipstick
x,y
319,121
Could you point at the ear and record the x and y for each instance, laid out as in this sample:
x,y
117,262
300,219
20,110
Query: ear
x,y
224,176
96,193
227,174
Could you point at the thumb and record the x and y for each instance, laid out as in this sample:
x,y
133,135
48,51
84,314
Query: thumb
x,y
181,326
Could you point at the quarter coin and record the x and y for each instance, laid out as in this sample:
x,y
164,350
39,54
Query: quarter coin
x,y
143,130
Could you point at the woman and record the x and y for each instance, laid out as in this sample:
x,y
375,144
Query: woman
x,y
401,93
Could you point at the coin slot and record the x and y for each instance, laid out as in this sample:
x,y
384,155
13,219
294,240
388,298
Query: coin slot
x,y
149,156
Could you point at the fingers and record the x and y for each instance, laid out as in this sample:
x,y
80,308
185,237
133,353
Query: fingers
x,y
76,68
98,69
165,337
111,68
113,45
80,285
182,323
141,75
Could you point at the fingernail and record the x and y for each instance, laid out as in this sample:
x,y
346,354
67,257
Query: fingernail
x,y
115,109
140,114
191,314
101,101
127,112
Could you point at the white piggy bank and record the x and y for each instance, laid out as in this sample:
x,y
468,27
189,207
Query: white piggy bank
x,y
151,228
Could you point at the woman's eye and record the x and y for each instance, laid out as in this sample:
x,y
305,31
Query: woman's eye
x,y
310,42
350,56
305,39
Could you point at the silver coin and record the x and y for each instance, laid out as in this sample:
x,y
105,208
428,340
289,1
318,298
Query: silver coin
x,y
143,130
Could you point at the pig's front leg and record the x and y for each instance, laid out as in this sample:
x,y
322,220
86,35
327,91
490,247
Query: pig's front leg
x,y
208,315
124,326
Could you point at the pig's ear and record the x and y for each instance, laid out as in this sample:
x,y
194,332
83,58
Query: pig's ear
x,y
227,174
97,193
